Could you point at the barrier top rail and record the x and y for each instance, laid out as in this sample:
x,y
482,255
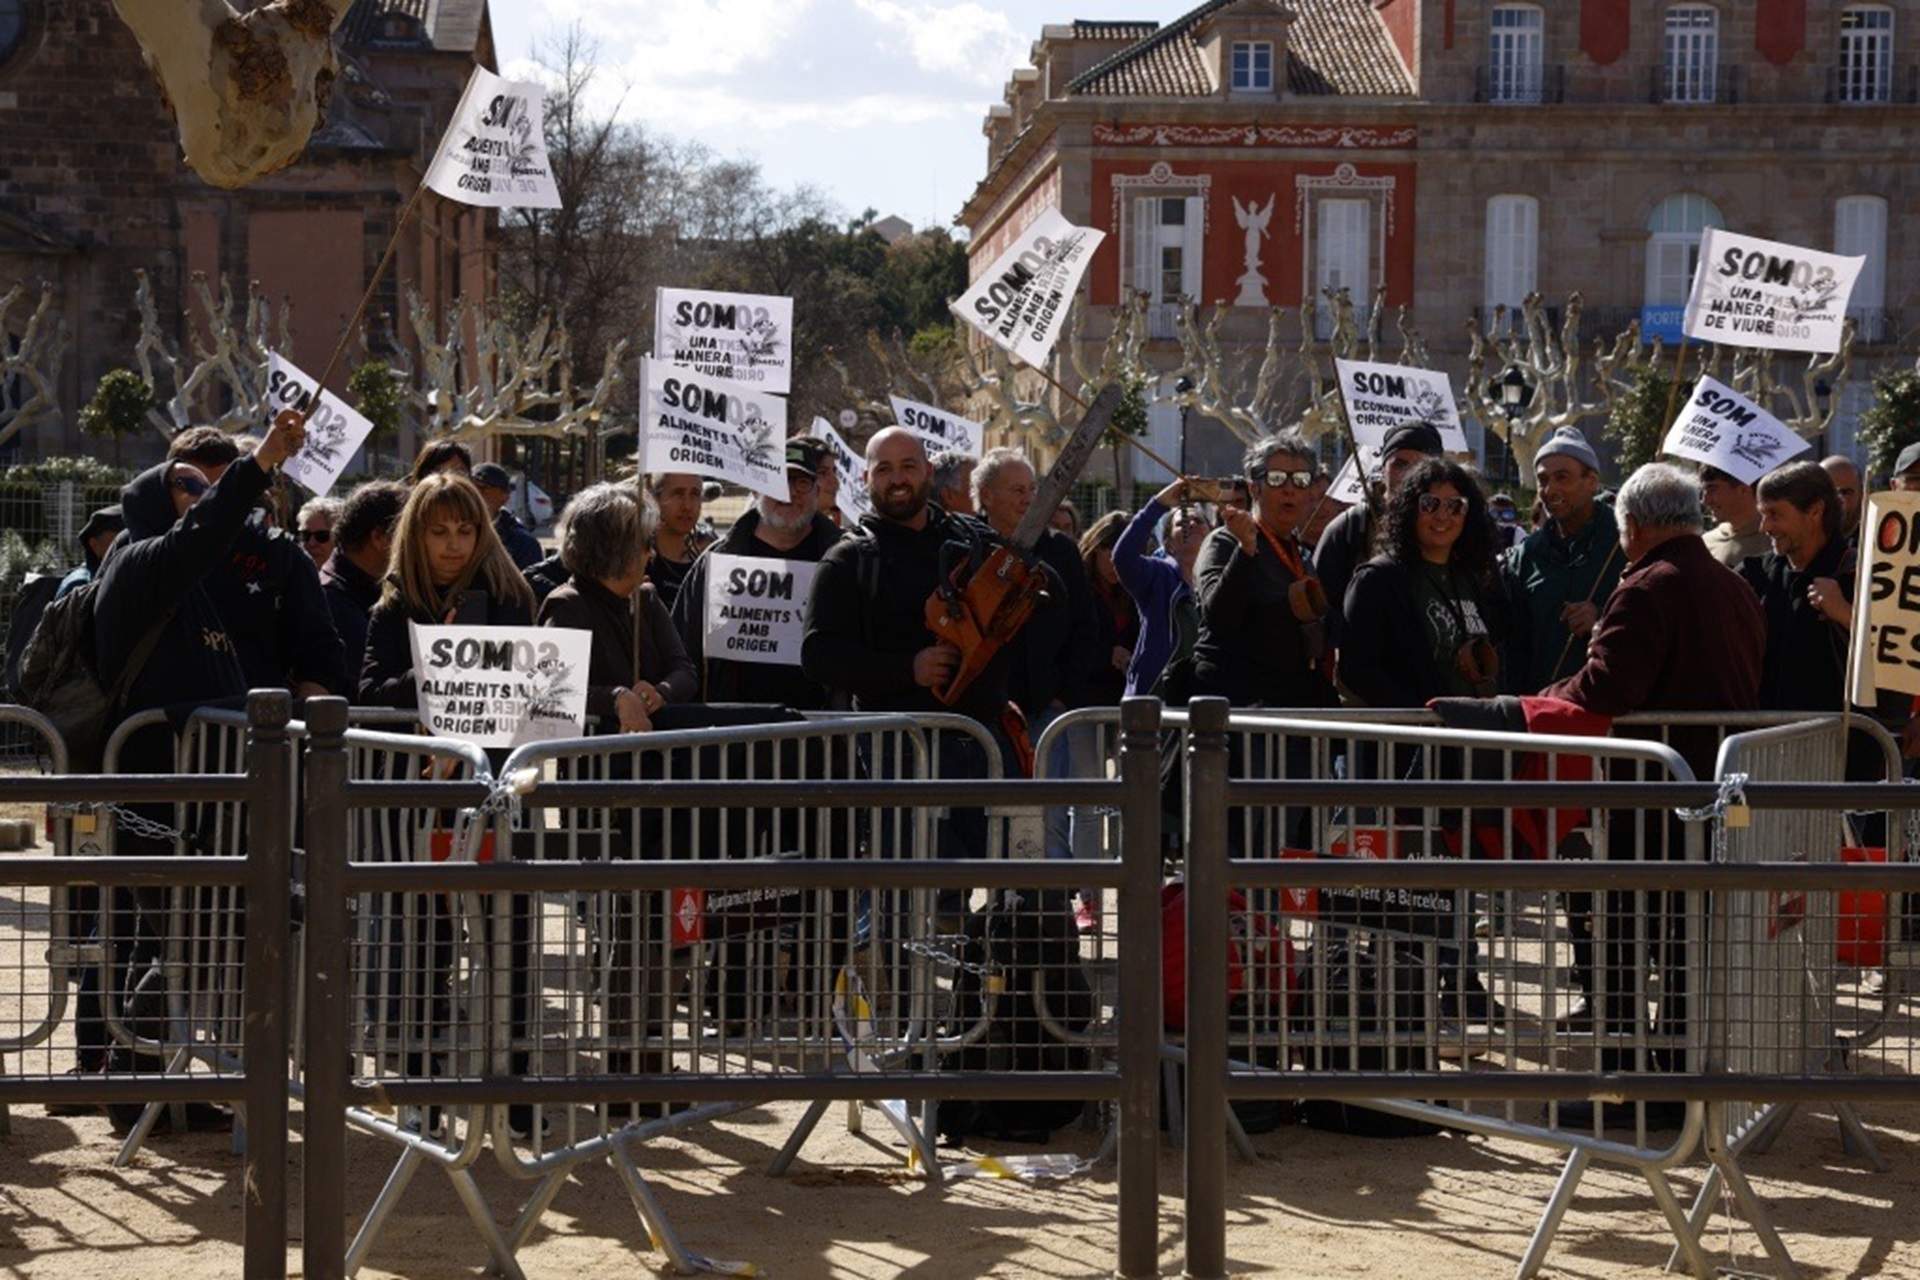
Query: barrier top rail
x,y
728,735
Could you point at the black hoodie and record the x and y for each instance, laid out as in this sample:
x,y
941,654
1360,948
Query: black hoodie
x,y
156,570
760,682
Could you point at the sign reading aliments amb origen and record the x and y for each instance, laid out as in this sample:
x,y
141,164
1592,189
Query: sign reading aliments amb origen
x,y
1886,616
713,427
949,431
742,337
494,153
1749,292
334,431
502,686
1020,302
756,608
1722,428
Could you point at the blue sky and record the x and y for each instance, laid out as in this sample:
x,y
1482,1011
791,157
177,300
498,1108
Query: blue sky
x,y
876,102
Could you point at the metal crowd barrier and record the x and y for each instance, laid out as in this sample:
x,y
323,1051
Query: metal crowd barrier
x,y
137,929
61,956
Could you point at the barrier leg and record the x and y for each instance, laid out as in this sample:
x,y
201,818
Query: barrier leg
x,y
469,1193
1854,1138
1556,1210
1689,1240
396,1186
1699,1215
1771,1129
536,1208
659,1230
816,1111
149,1117
1749,1201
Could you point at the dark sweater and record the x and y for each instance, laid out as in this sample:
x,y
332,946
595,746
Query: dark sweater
x,y
386,676
1806,659
1386,660
584,605
268,593
1251,649
350,594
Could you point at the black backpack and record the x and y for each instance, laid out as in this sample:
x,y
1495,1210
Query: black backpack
x,y
58,679
36,593
1353,994
1021,934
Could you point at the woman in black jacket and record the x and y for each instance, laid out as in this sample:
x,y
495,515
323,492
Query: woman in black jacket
x,y
1425,616
448,567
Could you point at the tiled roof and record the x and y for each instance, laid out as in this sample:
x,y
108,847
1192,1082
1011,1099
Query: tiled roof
x,y
448,25
1335,47
1093,29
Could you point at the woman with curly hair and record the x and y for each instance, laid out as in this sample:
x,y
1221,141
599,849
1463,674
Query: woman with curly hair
x,y
1425,616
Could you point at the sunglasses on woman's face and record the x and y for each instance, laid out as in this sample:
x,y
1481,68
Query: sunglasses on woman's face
x,y
321,536
192,486
1298,479
1430,503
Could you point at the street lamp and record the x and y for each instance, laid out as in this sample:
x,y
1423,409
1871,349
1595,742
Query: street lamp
x,y
1512,393
1183,387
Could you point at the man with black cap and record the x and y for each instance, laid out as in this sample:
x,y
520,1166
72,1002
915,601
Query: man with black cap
x,y
102,527
496,490
1559,578
1347,543
775,529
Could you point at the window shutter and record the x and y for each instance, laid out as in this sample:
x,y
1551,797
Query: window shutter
x,y
1194,240
1146,221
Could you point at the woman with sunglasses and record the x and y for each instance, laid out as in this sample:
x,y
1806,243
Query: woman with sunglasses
x,y
1425,616
315,531
1261,642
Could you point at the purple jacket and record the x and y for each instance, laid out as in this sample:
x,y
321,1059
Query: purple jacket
x,y
1156,586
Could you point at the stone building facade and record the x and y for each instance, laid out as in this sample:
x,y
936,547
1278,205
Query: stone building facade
x,y
1464,153
92,187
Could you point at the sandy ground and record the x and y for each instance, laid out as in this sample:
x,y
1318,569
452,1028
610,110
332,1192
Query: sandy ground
x,y
1439,1208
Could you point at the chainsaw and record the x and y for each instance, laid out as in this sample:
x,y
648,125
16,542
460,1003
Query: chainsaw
x,y
989,590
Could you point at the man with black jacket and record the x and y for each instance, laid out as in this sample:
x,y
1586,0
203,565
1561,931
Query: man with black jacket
x,y
495,484
268,592
362,544
774,529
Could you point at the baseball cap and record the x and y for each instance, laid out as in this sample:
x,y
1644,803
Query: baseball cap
x,y
491,475
804,453
1423,436
1909,458
105,520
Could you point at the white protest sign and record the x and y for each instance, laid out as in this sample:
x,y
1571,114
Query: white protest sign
x,y
852,497
502,686
713,427
334,431
948,430
1380,397
1347,485
1885,651
1021,301
744,337
756,608
1721,428
1749,292
494,152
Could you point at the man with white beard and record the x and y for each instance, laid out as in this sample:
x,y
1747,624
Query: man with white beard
x,y
773,530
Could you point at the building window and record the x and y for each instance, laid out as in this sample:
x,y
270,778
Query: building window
x,y
1693,52
1516,49
1343,251
1252,66
1513,246
1168,235
1860,230
1866,54
13,26
1673,251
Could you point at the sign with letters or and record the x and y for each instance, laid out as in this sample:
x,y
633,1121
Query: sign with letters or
x,y
1749,292
713,427
757,608
1380,397
502,686
1885,646
1021,302
949,431
1721,428
334,431
852,497
494,153
743,337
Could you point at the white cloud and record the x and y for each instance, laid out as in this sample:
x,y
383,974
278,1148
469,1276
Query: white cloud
x,y
965,39
677,40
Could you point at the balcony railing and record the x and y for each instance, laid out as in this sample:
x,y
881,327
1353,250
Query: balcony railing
x,y
1850,88
1667,86
1548,85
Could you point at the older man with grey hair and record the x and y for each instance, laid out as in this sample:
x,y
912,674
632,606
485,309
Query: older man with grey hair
x,y
953,481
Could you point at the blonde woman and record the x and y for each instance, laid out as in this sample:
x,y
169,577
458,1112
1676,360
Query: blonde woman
x,y
448,567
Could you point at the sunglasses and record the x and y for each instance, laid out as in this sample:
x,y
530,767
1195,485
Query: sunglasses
x,y
192,486
1298,479
1430,503
321,536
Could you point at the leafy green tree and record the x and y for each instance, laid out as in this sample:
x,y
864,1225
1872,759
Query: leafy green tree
x,y
1892,421
1638,423
1129,422
118,408
380,399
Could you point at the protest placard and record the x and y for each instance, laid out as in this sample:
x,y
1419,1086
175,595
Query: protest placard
x,y
1721,428
494,152
1022,300
949,431
1749,292
502,686
744,337
1380,397
713,427
334,431
756,608
852,497
1347,485
1885,648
